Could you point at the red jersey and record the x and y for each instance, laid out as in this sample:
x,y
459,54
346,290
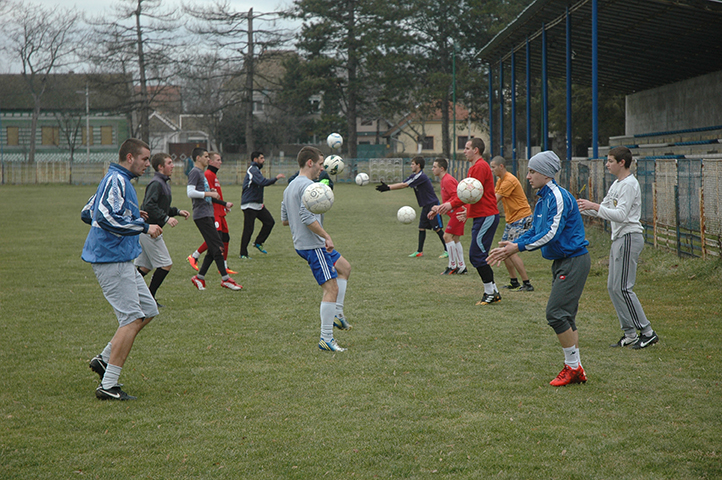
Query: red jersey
x,y
448,191
487,205
218,209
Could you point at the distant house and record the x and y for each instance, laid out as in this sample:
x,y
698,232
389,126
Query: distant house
x,y
67,125
419,133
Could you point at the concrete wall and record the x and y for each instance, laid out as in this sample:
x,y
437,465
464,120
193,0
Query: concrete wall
x,y
693,103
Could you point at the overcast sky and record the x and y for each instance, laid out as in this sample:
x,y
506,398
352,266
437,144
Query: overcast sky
x,y
99,6
94,8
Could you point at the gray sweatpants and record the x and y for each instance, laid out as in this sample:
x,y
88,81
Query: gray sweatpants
x,y
568,278
623,259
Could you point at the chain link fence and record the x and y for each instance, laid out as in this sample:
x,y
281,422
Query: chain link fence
x,y
680,194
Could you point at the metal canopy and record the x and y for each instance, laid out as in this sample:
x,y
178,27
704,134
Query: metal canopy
x,y
642,43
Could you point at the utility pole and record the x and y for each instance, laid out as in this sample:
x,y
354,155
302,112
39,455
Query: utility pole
x,y
249,87
87,123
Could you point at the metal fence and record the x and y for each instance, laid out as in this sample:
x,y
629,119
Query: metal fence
x,y
680,194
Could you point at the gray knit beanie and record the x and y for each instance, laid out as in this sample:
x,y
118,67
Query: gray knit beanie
x,y
547,163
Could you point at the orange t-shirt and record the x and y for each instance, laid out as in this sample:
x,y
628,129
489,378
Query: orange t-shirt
x,y
515,203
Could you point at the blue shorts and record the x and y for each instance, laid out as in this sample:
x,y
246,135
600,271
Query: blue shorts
x,y
514,230
321,263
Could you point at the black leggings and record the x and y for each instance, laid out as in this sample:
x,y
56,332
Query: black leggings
x,y
249,219
207,227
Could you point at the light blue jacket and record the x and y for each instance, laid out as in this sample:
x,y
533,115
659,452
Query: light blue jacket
x,y
557,227
114,217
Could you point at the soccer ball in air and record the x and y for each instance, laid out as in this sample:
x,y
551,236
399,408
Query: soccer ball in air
x,y
318,198
334,141
362,179
333,164
470,190
406,215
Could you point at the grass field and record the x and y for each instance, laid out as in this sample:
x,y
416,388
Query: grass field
x,y
231,384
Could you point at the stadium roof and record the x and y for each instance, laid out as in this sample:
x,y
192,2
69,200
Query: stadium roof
x,y
642,44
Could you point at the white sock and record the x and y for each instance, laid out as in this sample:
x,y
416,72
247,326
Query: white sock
x,y
105,354
460,256
489,288
571,357
112,373
328,310
196,255
452,254
342,284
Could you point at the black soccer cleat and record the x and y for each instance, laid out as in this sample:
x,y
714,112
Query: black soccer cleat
x,y
625,342
646,341
114,393
98,366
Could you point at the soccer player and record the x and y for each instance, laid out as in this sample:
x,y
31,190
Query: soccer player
x,y
112,244
426,197
157,203
315,245
201,195
220,209
518,220
252,205
454,228
558,230
623,207
486,218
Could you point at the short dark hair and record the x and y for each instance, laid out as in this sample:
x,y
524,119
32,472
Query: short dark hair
x,y
308,153
198,152
499,160
477,142
419,160
255,155
622,153
133,146
441,162
158,160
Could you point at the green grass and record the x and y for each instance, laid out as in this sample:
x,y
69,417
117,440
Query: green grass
x,y
231,384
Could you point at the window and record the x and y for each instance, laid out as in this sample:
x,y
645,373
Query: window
x,y
427,143
50,136
87,134
106,136
13,136
257,106
461,142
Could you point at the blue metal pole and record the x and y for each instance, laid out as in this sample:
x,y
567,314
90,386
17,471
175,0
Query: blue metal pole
x,y
528,100
569,86
501,108
545,91
595,82
513,111
491,111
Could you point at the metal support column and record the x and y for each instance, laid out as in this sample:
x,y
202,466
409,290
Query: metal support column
x,y
595,81
545,92
513,112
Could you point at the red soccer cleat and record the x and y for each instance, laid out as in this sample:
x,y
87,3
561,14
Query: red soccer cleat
x,y
568,376
231,284
199,283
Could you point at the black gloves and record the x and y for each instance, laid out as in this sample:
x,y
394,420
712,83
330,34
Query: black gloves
x,y
383,187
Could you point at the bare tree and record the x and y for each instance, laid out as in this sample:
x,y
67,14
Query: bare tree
x,y
237,40
44,40
140,39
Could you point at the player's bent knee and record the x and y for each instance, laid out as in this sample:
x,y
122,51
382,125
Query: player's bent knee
x,y
560,325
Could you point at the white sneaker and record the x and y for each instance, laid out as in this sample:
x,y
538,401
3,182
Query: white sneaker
x,y
331,346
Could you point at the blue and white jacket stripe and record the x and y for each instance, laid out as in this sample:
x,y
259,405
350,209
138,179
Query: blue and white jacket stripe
x,y
114,217
557,227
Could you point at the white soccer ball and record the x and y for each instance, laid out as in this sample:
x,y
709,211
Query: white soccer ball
x,y
406,215
362,179
334,141
470,190
333,164
318,198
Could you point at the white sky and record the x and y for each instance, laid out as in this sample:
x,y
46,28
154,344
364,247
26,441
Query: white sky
x,y
99,6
